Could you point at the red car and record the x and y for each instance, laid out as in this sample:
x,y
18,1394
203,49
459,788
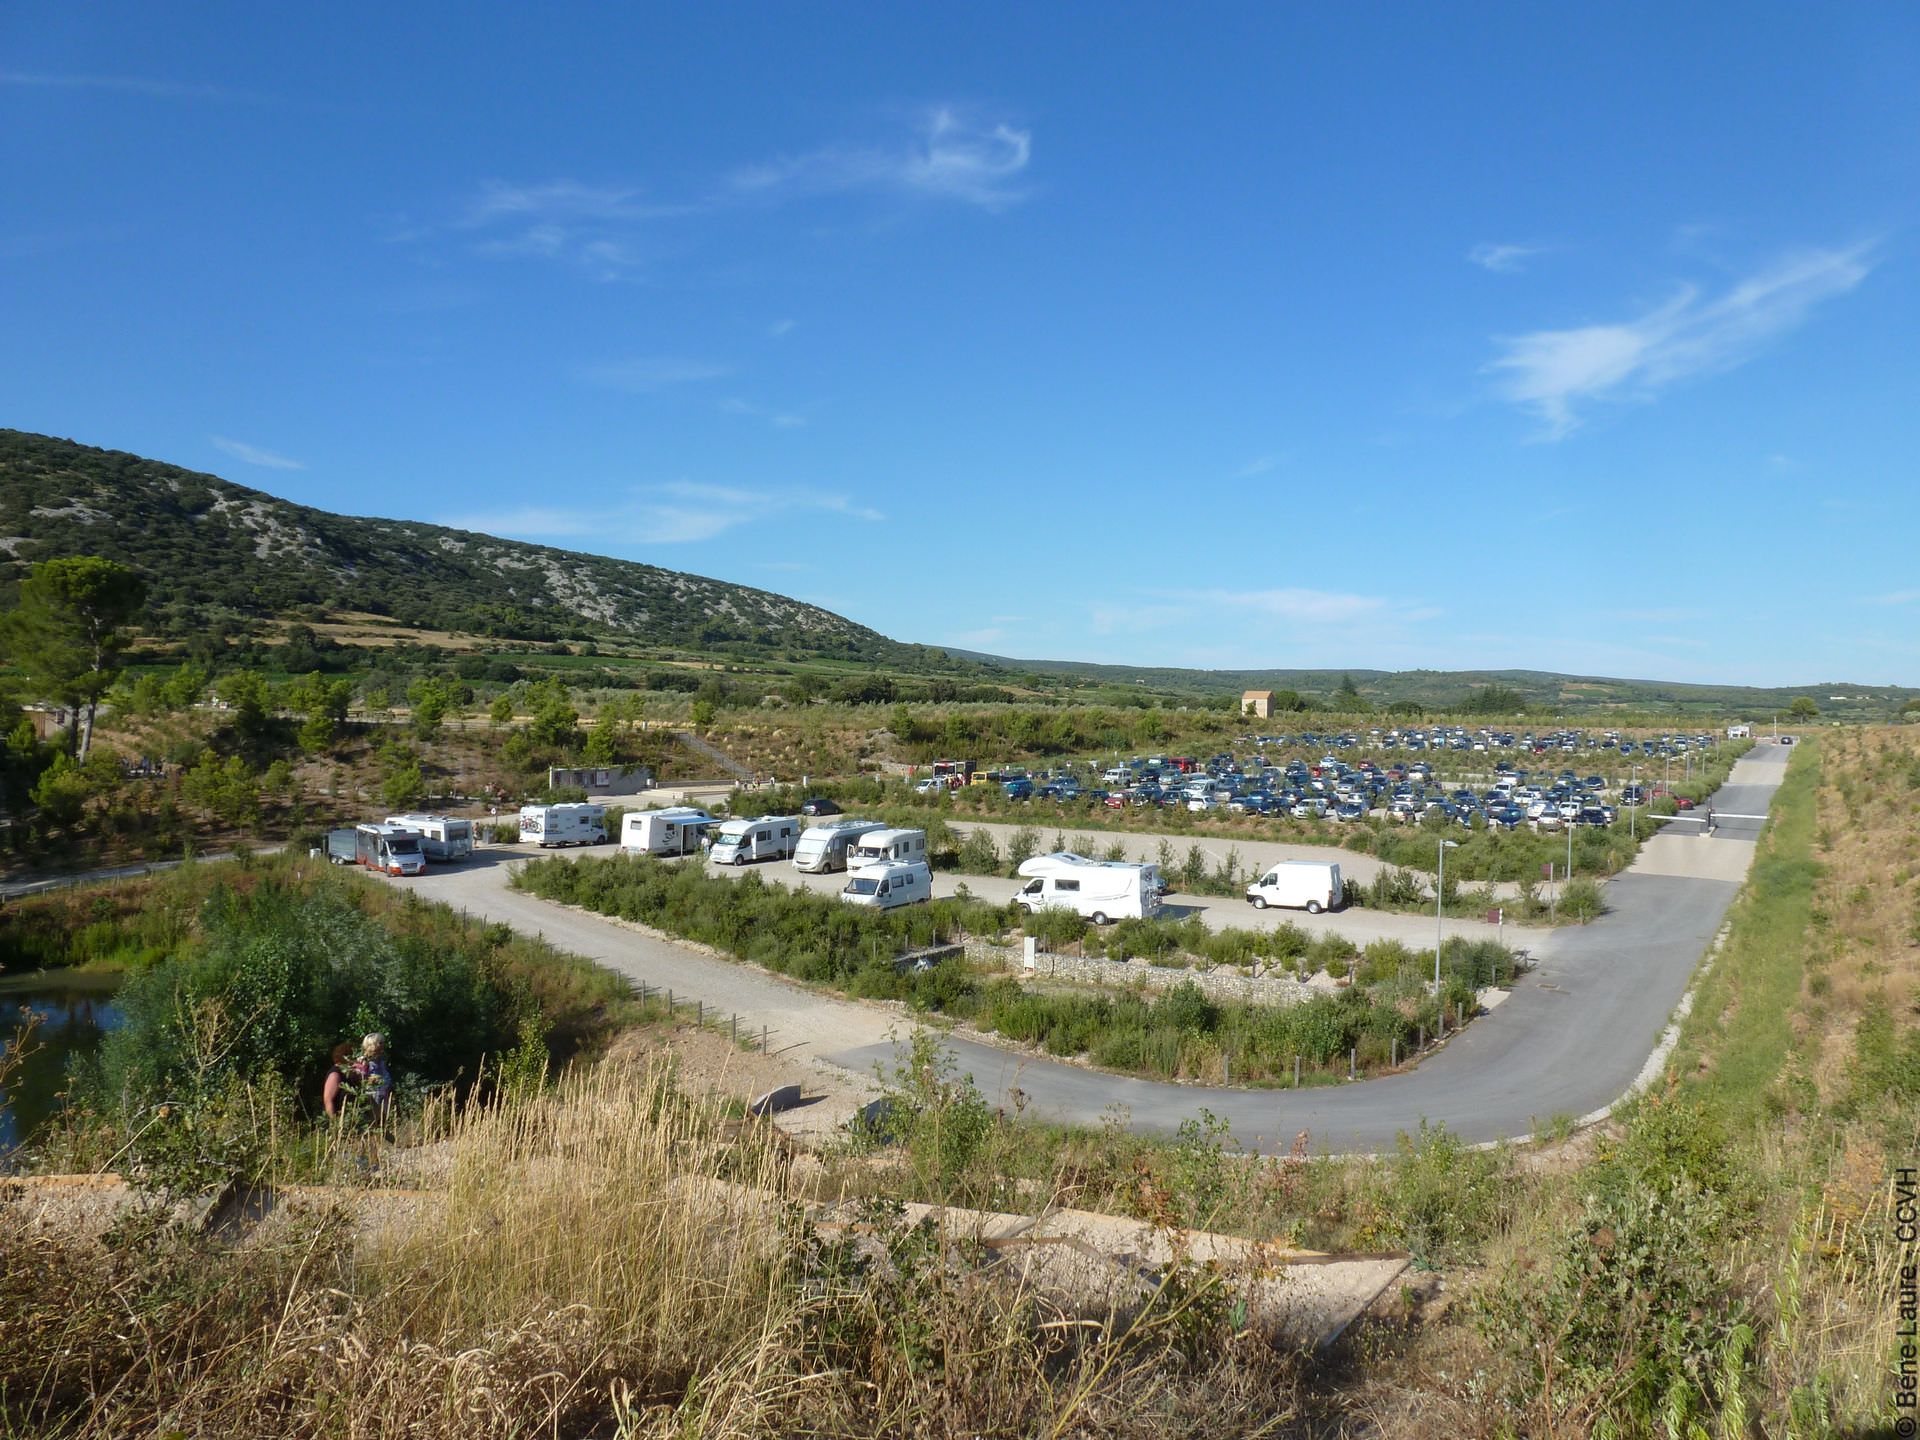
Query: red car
x,y
1119,802
1683,802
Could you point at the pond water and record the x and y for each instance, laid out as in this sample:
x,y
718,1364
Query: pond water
x,y
76,1010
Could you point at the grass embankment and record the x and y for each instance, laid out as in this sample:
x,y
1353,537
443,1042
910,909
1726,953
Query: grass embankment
x,y
1181,1034
607,1259
1725,1263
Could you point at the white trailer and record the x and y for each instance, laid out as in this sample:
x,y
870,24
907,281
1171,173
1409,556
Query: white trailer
x,y
1309,885
1097,890
888,847
572,824
442,837
676,830
824,848
887,886
767,837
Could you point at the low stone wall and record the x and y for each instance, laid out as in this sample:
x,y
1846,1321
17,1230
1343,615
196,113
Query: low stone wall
x,y
1218,984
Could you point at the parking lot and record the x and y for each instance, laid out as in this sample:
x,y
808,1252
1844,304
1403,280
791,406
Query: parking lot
x,y
1483,778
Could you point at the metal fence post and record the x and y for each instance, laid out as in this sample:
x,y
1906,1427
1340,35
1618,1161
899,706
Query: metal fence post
x,y
763,1039
1296,1072
1353,1062
1396,1053
734,1028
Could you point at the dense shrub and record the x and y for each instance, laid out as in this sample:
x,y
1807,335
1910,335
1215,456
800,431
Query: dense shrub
x,y
279,975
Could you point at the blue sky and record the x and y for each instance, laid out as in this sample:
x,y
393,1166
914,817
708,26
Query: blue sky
x,y
1392,336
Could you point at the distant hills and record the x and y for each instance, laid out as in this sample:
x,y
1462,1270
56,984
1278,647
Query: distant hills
x,y
1441,689
220,556
214,551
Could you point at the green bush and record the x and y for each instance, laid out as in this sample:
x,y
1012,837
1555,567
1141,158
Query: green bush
x,y
280,974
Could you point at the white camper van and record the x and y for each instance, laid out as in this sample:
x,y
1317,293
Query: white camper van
x,y
442,837
388,849
889,886
575,824
1309,885
1098,890
825,847
677,830
885,847
769,837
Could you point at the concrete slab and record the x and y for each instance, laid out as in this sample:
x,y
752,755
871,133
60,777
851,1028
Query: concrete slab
x,y
1695,857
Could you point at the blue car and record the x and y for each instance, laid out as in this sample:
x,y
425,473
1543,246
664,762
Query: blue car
x,y
1018,789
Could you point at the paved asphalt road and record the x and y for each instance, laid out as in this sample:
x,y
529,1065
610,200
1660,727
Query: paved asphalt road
x,y
1568,1041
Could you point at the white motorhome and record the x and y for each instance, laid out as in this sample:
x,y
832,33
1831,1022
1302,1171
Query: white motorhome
x,y
767,837
887,886
825,847
1097,890
442,837
888,847
676,830
388,849
1309,885
572,824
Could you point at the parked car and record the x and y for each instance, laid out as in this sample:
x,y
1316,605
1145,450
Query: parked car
x,y
1021,789
819,805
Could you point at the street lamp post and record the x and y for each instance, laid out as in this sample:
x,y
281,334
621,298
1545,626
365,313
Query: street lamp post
x,y
1439,909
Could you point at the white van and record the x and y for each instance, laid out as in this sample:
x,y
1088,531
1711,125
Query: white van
x,y
442,837
825,848
1309,885
573,824
888,847
887,886
388,849
767,837
676,830
1096,890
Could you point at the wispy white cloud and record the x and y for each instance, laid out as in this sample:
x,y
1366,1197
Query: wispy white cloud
x,y
1294,605
1315,607
779,419
123,85
1259,465
253,454
1663,615
951,156
611,229
979,639
676,512
1895,597
561,199
1555,373
646,374
1503,259
780,329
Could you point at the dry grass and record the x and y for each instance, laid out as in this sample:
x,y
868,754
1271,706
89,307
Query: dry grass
x,y
1866,944
606,1259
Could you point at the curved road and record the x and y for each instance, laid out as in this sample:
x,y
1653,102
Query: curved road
x,y
1568,1041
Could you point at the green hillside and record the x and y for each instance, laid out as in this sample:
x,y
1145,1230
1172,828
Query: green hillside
x,y
215,552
